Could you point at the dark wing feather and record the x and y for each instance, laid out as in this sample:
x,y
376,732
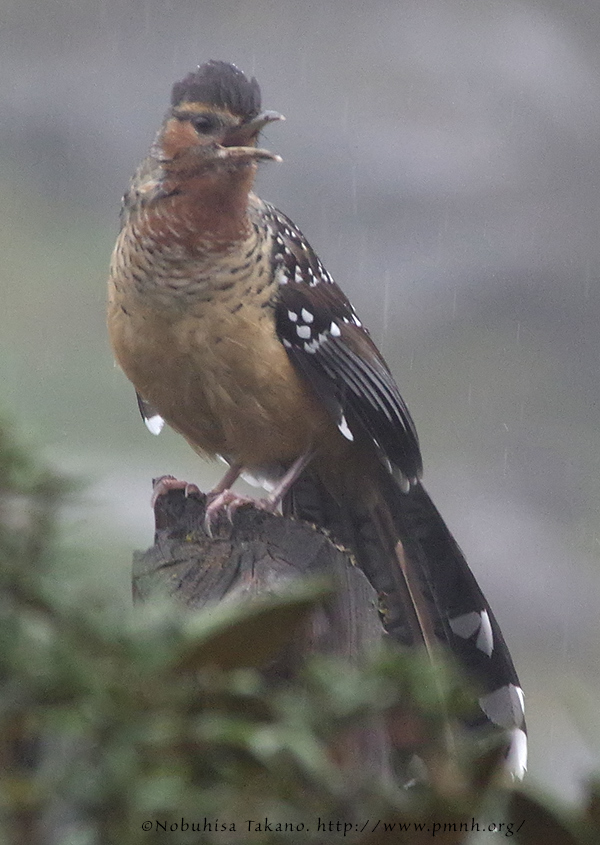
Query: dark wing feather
x,y
326,341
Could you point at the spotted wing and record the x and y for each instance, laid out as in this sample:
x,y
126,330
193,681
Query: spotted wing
x,y
327,342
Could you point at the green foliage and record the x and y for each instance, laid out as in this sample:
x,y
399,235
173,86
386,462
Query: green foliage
x,y
162,718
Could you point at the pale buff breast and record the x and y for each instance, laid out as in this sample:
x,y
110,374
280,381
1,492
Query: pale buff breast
x,y
222,379
194,331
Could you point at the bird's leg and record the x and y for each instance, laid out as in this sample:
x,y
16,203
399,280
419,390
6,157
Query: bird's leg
x,y
222,498
230,477
273,500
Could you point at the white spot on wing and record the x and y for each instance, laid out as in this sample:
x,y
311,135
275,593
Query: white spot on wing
x,y
344,428
404,483
521,696
334,330
307,316
516,759
154,424
315,344
282,277
465,626
293,316
485,638
303,332
470,623
504,706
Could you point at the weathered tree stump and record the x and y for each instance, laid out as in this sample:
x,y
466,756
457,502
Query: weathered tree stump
x,y
257,554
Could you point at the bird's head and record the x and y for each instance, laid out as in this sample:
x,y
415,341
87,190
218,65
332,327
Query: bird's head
x,y
214,121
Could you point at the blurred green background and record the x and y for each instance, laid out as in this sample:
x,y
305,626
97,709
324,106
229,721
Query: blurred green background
x,y
443,158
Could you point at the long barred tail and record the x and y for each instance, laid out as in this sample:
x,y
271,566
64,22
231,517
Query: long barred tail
x,y
427,590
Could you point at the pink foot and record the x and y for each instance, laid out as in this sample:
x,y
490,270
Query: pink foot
x,y
162,485
228,502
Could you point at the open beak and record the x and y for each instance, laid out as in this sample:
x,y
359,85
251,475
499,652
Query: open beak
x,y
232,153
237,143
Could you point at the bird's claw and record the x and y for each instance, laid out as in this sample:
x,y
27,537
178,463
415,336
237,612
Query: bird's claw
x,y
228,502
163,485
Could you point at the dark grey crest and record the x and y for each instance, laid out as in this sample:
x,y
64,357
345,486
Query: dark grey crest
x,y
219,84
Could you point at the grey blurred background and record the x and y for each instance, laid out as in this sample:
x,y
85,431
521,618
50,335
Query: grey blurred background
x,y
443,157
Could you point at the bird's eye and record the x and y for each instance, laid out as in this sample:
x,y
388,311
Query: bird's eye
x,y
206,123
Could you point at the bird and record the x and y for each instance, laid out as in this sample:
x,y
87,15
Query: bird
x,y
232,332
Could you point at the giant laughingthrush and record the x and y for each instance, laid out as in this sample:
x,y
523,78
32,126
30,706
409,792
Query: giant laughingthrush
x,y
232,331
